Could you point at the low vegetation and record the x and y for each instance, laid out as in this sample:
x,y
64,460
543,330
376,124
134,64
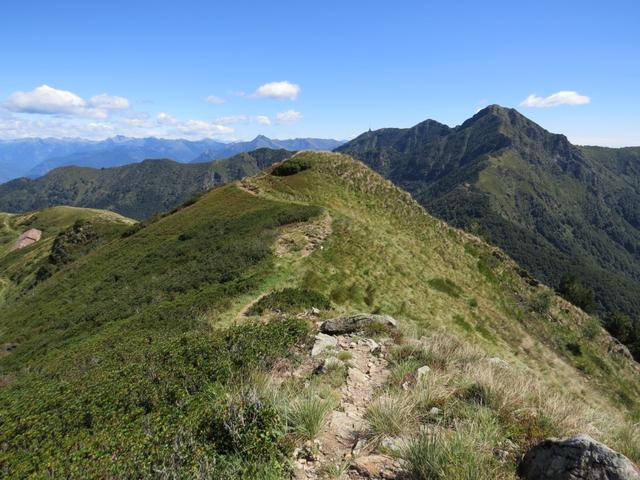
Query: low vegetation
x,y
136,349
292,166
290,300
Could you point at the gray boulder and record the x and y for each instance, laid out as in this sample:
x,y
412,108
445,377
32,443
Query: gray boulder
x,y
575,458
354,323
323,342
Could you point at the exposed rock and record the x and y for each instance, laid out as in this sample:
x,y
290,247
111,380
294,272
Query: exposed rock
x,y
374,466
435,411
575,458
323,342
619,349
393,443
29,237
422,371
355,323
374,347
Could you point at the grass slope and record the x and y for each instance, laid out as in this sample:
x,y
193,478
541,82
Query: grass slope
x,y
18,268
130,360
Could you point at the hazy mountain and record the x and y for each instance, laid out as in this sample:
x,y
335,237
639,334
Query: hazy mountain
x,y
261,141
18,157
556,208
137,190
182,347
120,150
33,157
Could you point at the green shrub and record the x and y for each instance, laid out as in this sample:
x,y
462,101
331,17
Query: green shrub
x,y
292,166
574,291
541,303
445,285
574,347
290,300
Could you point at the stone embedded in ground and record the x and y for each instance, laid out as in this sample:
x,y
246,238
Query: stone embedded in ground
x,y
575,458
619,349
355,323
374,347
393,443
375,466
323,343
29,237
422,371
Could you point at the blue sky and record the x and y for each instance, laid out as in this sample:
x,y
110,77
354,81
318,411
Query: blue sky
x,y
138,68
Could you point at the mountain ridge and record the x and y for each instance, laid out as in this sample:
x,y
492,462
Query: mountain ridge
x,y
559,209
135,190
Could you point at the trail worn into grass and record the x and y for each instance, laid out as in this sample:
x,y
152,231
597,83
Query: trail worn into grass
x,y
342,449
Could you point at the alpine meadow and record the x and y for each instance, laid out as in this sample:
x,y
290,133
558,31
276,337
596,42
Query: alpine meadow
x,y
343,241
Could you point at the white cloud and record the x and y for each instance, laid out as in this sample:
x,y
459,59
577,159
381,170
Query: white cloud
x,y
280,90
289,116
195,128
263,120
109,102
565,97
191,128
214,99
232,119
46,100
165,118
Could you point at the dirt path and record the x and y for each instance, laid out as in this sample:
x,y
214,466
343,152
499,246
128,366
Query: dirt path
x,y
342,444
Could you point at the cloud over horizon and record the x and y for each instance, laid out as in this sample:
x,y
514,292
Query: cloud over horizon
x,y
289,116
46,100
564,97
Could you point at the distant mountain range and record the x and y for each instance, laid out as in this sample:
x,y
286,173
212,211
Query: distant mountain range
x,y
137,190
34,157
560,210
227,150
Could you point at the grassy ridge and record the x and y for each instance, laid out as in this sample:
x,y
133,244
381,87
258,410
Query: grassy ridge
x,y
134,362
119,344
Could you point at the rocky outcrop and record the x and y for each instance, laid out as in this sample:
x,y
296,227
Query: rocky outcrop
x,y
355,323
29,237
575,458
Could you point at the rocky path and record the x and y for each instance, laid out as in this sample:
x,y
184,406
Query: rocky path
x,y
342,450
